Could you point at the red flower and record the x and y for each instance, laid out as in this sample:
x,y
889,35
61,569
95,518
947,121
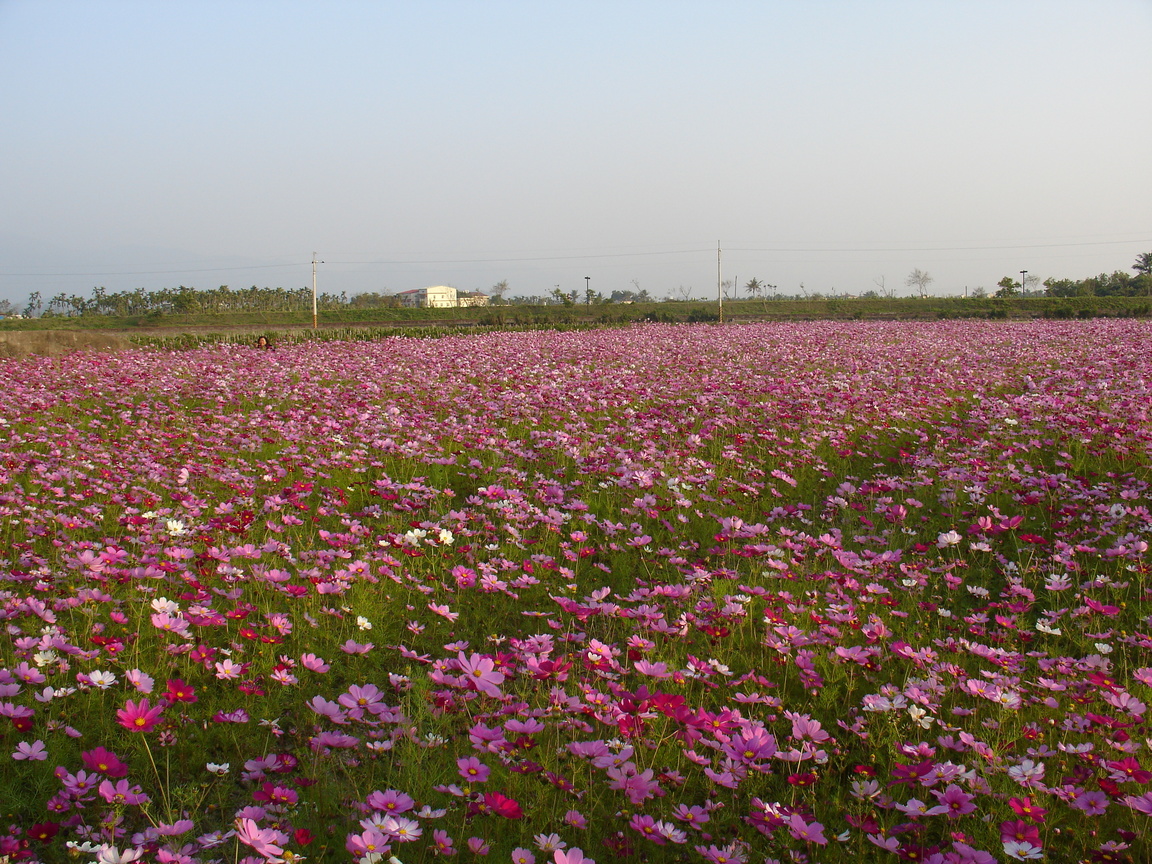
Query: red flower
x,y
501,805
43,831
802,779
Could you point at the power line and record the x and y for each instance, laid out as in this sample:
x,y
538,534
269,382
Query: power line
x,y
939,248
402,262
166,272
526,258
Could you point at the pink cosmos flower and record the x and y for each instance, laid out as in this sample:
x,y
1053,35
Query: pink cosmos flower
x,y
442,843
1093,803
1141,803
473,769
266,841
480,671
34,751
390,801
139,716
965,854
142,681
812,832
694,815
652,670
571,856
369,842
122,793
576,819
314,663
402,828
726,855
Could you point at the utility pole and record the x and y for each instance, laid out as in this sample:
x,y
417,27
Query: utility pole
x,y
314,263
719,284
1023,275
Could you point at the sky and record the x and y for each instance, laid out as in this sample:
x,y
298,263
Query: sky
x,y
823,145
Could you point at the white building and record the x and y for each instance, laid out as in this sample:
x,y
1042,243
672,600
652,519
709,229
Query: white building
x,y
434,297
472,298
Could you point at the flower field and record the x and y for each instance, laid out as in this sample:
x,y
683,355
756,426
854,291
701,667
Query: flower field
x,y
813,592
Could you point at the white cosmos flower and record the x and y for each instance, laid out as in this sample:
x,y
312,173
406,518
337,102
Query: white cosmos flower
x,y
948,538
163,604
101,679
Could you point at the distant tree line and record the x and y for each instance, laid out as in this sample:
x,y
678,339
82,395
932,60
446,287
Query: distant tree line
x,y
191,301
1116,284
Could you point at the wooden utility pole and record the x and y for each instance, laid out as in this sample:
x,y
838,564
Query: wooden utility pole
x,y
719,284
314,263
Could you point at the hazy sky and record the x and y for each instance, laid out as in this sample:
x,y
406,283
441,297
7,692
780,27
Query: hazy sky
x,y
834,144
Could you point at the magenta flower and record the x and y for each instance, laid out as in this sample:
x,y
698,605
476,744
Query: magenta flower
x,y
139,716
1019,830
1024,807
105,762
954,802
647,826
